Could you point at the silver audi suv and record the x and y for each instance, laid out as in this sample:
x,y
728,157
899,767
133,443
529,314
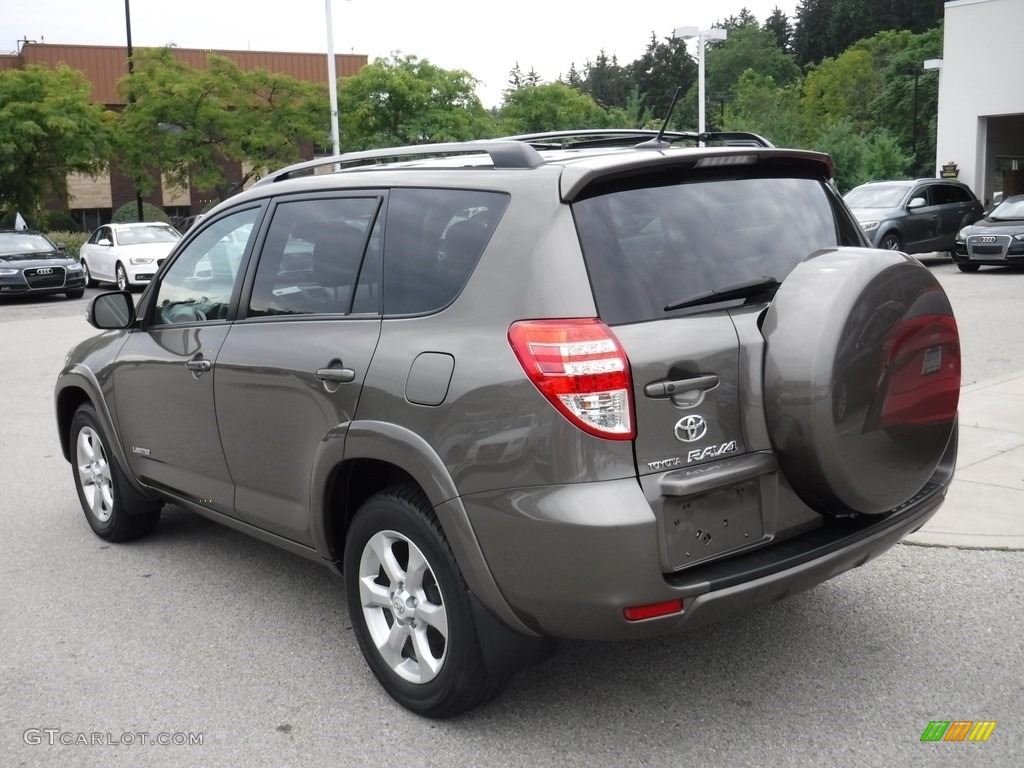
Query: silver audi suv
x,y
600,384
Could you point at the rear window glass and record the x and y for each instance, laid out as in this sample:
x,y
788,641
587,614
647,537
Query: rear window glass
x,y
434,240
649,247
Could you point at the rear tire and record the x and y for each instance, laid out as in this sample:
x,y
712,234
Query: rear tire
x,y
968,267
410,607
114,511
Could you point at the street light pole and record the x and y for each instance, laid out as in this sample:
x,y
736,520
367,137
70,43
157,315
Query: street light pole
x,y
689,33
916,72
332,81
131,94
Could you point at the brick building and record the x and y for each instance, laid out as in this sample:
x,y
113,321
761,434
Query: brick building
x,y
93,200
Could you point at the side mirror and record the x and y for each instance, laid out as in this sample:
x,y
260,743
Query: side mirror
x,y
61,247
111,311
917,202
104,241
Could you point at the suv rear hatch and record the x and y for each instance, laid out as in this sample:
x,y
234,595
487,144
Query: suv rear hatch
x,y
681,261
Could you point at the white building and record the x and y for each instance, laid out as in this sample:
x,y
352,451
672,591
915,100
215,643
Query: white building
x,y
981,95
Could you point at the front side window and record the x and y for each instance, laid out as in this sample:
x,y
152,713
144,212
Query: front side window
x,y
649,247
198,285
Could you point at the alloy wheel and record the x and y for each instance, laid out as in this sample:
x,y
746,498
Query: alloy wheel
x,y
403,607
94,474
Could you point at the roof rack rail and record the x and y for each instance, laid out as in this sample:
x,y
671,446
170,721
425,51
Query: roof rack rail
x,y
612,137
504,154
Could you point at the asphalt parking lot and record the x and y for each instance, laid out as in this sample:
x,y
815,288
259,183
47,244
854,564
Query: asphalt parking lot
x,y
199,630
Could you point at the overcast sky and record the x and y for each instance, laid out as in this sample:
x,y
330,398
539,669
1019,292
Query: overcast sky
x,y
487,39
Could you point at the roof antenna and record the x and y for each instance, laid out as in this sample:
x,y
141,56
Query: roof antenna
x,y
658,142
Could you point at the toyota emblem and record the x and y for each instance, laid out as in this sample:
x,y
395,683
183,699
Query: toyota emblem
x,y
691,428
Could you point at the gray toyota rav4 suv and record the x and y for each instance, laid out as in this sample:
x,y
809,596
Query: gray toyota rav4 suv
x,y
601,385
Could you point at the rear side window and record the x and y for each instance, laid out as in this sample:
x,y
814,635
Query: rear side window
x,y
434,238
649,247
311,257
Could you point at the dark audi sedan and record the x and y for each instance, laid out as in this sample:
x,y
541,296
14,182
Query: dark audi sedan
x,y
30,263
998,239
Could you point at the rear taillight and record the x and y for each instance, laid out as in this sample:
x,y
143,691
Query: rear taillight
x,y
579,366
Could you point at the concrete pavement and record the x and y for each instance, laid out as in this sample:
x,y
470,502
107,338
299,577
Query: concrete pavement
x,y
985,505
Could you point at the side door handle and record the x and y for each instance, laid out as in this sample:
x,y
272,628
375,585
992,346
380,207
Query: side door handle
x,y
199,365
337,375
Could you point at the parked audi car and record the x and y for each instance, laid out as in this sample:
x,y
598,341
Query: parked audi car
x,y
127,254
32,263
915,215
570,385
997,240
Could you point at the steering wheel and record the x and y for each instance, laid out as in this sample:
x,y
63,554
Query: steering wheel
x,y
184,313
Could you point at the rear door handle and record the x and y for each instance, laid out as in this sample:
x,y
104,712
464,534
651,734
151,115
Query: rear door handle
x,y
338,375
671,388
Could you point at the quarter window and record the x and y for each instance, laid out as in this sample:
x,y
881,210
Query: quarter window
x,y
199,284
434,239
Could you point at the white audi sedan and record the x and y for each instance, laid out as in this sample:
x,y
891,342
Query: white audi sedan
x,y
127,254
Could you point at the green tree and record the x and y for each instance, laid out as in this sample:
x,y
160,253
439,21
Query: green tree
x,y
780,28
761,106
842,89
407,100
893,107
187,122
552,107
748,47
607,82
663,66
48,128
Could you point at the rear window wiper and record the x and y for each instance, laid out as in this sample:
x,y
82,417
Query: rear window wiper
x,y
745,290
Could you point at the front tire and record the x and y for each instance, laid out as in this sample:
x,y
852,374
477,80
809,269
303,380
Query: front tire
x,y
410,607
968,267
113,510
891,242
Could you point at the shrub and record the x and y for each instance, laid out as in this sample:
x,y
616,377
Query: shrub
x,y
130,212
72,241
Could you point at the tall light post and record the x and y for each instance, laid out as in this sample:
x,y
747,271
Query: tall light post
x,y
701,35
332,81
935,65
131,94
916,72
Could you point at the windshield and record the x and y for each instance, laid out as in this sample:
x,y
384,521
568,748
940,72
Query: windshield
x,y
1010,208
875,196
158,233
19,242
649,248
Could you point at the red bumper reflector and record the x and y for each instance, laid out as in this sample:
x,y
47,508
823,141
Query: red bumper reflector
x,y
641,612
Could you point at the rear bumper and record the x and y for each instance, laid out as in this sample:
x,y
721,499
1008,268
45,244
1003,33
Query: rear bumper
x,y
570,559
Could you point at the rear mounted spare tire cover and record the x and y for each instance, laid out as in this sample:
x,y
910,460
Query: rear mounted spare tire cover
x,y
862,378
